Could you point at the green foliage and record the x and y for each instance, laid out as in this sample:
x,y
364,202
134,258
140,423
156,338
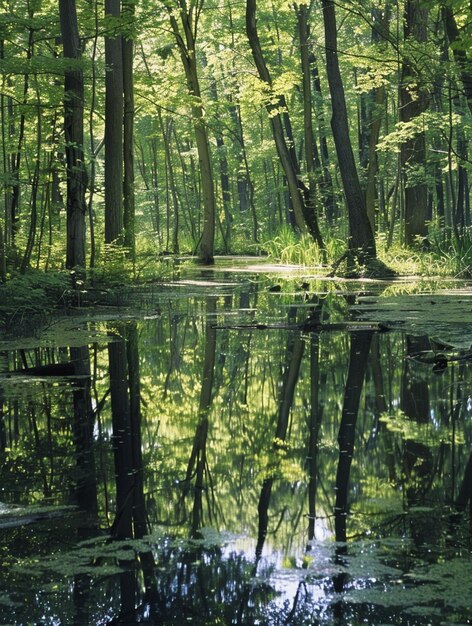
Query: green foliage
x,y
454,250
292,249
33,293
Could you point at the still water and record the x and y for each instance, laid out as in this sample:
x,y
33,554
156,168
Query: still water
x,y
239,447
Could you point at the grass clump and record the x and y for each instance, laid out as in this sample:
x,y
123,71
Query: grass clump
x,y
289,248
454,249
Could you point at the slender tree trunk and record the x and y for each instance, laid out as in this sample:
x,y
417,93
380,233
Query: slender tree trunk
x,y
377,101
372,166
113,130
93,148
413,102
14,204
74,137
187,47
459,52
25,263
326,185
5,169
166,130
304,215
312,159
129,211
361,241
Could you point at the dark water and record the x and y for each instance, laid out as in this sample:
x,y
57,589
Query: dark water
x,y
276,461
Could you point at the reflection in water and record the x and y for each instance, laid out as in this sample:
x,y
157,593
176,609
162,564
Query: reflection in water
x,y
255,474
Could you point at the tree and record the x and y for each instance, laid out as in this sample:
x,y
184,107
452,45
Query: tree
x,y
74,137
185,34
129,209
361,242
304,213
113,127
414,101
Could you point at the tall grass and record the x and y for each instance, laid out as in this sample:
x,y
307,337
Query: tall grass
x,y
289,248
454,248
449,254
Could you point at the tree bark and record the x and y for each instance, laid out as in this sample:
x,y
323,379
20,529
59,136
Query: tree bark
x,y
187,47
304,214
129,211
361,241
312,160
413,102
113,131
74,137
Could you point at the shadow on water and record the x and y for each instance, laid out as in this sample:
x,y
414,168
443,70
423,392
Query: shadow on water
x,y
239,451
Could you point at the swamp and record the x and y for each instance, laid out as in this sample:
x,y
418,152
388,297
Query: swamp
x,y
243,444
235,312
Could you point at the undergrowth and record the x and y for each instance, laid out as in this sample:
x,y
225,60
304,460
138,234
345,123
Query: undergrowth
x,y
33,293
290,249
444,254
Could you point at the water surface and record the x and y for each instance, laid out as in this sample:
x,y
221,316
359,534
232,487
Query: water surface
x,y
241,447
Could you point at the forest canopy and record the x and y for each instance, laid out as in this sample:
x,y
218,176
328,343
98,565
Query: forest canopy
x,y
133,129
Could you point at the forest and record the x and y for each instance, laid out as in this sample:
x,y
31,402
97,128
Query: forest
x,y
235,312
315,133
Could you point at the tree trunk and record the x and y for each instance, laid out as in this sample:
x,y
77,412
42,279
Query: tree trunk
x,y
413,102
127,45
361,243
459,52
113,131
304,216
74,138
375,114
186,43
372,166
312,160
327,190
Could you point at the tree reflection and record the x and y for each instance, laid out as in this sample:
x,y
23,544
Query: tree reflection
x,y
315,416
197,466
130,520
83,423
295,348
358,357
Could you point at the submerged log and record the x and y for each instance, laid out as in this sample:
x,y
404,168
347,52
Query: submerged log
x,y
310,326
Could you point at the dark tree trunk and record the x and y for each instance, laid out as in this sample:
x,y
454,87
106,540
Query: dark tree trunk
x,y
186,41
129,211
326,185
113,131
74,138
459,52
375,114
414,101
361,242
304,214
312,160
